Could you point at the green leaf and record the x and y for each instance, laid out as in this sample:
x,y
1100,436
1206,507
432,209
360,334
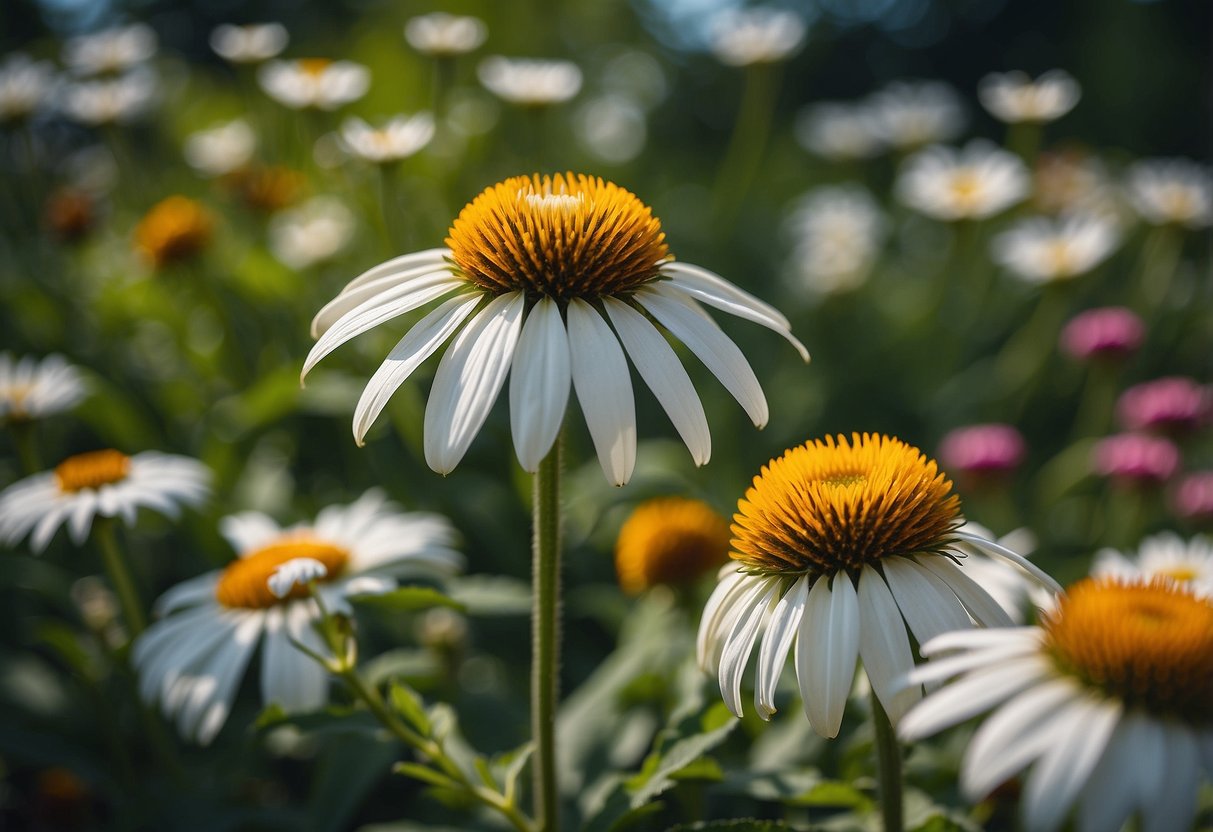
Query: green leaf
x,y
408,599
492,595
836,794
348,770
423,773
408,704
785,786
657,775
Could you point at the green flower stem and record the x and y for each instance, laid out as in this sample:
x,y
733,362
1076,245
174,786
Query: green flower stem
x,y
545,630
1029,348
888,769
1098,399
748,141
27,448
119,574
1023,139
389,206
444,82
1160,258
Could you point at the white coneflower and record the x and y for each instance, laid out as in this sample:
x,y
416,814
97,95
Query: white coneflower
x,y
1110,704
24,86
312,233
104,483
974,183
838,231
907,114
399,138
102,101
740,37
838,131
571,268
110,51
1166,556
1042,249
317,83
191,661
1171,191
249,44
221,149
843,549
34,389
1013,97
530,82
442,35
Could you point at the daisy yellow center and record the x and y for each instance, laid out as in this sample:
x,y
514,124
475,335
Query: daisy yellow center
x,y
1183,574
173,230
834,504
564,236
92,470
1147,644
245,582
966,187
314,67
669,541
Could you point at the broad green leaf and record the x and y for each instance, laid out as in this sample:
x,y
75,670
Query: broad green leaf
x,y
408,599
407,703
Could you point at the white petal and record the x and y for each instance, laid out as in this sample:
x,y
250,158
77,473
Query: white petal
x,y
604,389
350,299
713,612
740,644
998,550
296,571
884,645
187,593
937,670
396,266
1112,790
1064,768
418,344
716,291
539,384
735,607
977,601
716,350
1026,637
227,676
468,380
776,642
1173,806
664,374
248,531
827,647
928,604
311,681
975,693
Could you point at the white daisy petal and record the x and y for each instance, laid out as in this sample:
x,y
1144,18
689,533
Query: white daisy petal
x,y
827,647
884,646
1173,806
468,380
248,530
539,384
1112,790
186,594
664,374
295,572
740,644
992,548
928,604
708,342
777,642
972,695
227,675
1065,766
976,600
731,583
1025,637
604,389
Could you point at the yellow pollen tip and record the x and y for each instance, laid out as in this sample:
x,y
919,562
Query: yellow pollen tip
x,y
314,67
671,540
834,504
92,470
1149,644
175,229
564,236
245,582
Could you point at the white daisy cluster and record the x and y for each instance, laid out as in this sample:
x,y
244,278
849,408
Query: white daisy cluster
x,y
839,131
1041,249
838,231
976,182
1171,191
111,51
530,82
312,232
24,86
221,149
34,389
315,83
108,100
760,35
250,44
1013,97
1167,556
399,138
442,35
903,115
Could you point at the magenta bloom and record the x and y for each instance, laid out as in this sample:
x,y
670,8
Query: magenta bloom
x,y
982,450
1135,458
1175,404
1110,333
1192,499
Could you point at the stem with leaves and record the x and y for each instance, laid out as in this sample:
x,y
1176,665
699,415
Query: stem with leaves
x,y
545,631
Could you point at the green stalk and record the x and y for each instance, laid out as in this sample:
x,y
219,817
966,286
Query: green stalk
x,y
545,630
27,448
120,577
748,141
1160,259
1023,139
888,769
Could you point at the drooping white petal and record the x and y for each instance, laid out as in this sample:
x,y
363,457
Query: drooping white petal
x,y
418,344
1064,768
709,343
972,695
350,299
1173,804
827,646
187,593
397,266
937,670
468,380
977,601
1025,637
604,388
990,547
884,646
731,584
776,642
227,672
716,291
740,644
296,571
928,604
539,384
1111,793
664,374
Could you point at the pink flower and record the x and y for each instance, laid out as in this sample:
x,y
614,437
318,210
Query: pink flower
x,y
1167,404
1135,458
1192,499
982,449
1110,332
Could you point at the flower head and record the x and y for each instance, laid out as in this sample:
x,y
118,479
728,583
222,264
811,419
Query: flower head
x,y
838,230
1106,333
267,189
399,138
111,51
442,35
1171,191
221,149
249,44
1192,499
760,35
1070,181
1013,97
34,389
982,451
117,100
1135,459
69,214
315,83
191,661
104,483
312,233
175,230
835,544
669,540
1109,702
556,258
838,131
1174,404
974,183
1042,250
24,86
909,114
1164,556
530,82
